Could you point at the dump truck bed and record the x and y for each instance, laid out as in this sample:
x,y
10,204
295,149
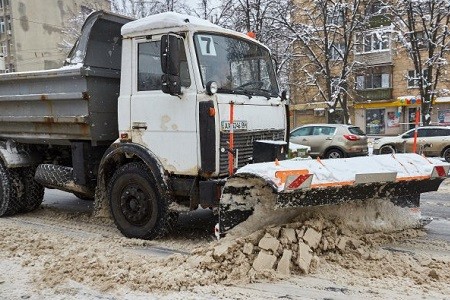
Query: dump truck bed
x,y
57,106
77,102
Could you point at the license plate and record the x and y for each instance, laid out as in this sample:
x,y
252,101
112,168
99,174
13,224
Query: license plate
x,y
237,125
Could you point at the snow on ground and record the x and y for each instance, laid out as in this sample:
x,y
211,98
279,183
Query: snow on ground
x,y
54,254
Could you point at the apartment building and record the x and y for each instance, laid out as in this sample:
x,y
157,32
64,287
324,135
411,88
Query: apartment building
x,y
384,89
32,32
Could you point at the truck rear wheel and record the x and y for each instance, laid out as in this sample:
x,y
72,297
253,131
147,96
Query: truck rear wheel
x,y
33,191
137,204
11,189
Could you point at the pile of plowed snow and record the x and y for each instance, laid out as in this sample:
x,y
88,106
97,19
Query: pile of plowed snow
x,y
296,248
351,237
337,235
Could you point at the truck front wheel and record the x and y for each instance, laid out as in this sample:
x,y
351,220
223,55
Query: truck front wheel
x,y
137,204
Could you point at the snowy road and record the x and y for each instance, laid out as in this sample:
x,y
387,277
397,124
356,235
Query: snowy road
x,y
437,206
59,252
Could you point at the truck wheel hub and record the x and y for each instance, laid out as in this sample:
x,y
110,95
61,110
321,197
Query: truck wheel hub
x,y
135,205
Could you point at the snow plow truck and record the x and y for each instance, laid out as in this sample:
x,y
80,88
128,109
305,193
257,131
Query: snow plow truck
x,y
170,113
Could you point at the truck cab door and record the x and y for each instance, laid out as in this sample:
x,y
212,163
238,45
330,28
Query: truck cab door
x,y
164,123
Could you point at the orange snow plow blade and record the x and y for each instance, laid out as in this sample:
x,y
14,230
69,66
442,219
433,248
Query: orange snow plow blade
x,y
398,178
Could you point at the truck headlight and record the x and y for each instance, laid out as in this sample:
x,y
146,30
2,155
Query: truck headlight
x,y
211,87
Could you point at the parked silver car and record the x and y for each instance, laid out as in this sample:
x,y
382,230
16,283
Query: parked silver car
x,y
331,140
431,141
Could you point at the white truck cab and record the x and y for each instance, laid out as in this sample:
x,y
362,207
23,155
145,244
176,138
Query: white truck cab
x,y
187,125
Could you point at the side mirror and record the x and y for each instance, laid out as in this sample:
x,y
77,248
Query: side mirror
x,y
170,64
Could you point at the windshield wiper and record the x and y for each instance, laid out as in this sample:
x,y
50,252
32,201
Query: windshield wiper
x,y
263,92
237,92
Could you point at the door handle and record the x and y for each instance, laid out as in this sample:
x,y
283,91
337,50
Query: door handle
x,y
139,125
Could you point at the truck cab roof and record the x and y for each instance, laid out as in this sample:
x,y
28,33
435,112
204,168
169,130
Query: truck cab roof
x,y
175,22
167,20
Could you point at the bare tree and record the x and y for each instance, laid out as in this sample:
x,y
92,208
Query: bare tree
x,y
323,37
259,17
423,28
72,27
213,11
144,8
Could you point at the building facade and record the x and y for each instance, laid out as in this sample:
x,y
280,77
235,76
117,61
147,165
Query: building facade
x,y
384,89
32,33
387,95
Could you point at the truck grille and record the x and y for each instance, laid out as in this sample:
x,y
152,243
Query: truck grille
x,y
243,142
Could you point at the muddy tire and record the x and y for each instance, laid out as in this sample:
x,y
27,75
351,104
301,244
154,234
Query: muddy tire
x,y
33,191
11,189
137,204
387,149
334,153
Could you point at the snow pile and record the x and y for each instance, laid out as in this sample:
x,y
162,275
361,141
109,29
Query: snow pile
x,y
313,245
296,248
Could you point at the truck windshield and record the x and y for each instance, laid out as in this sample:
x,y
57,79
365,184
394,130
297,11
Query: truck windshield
x,y
237,65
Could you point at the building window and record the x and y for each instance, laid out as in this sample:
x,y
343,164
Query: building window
x,y
335,16
414,78
8,23
375,121
372,42
2,25
374,78
335,85
421,38
337,51
4,3
4,49
376,8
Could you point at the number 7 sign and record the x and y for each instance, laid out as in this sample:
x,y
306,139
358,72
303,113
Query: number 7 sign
x,y
206,45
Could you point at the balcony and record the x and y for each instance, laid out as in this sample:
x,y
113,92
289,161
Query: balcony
x,y
375,57
374,94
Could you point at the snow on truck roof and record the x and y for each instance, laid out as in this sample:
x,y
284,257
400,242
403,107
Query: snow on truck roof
x,y
168,20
